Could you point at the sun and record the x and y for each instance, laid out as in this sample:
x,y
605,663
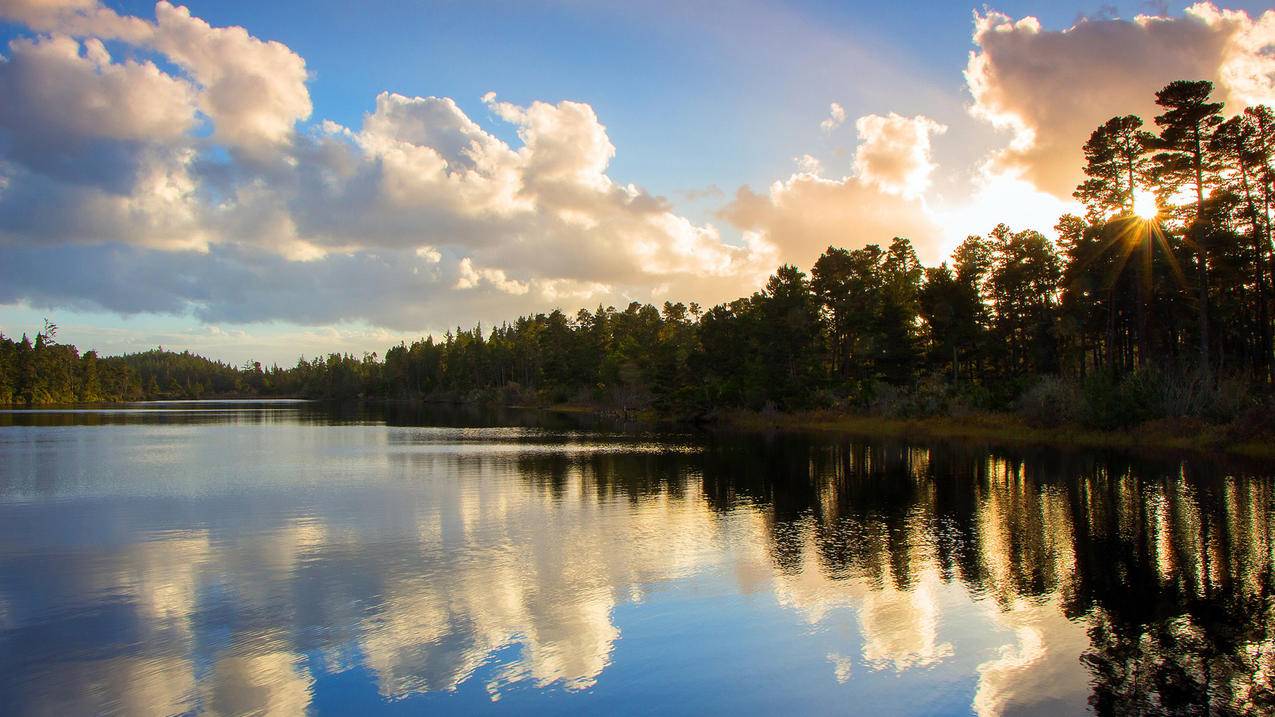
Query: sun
x,y
1144,205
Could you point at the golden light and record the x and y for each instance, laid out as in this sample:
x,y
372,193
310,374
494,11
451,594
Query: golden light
x,y
1144,204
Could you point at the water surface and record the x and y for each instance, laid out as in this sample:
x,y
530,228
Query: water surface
x,y
288,558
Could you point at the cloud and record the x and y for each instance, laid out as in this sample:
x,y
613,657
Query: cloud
x,y
192,180
58,90
206,193
1049,89
894,152
72,115
806,213
836,117
95,150
471,277
75,17
253,91
807,164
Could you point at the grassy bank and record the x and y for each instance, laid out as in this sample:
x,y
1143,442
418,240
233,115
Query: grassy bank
x,y
1176,434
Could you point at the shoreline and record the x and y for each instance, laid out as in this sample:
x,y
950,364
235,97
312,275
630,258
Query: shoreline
x,y
1180,434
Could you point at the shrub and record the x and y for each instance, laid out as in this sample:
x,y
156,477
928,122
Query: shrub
x,y
969,398
1152,394
1050,402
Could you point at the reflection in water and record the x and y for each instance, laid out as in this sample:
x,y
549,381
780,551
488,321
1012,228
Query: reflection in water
x,y
271,563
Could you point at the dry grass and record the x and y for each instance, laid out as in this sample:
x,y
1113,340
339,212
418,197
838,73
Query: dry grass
x,y
1178,434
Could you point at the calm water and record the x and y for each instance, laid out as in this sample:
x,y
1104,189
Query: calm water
x,y
281,558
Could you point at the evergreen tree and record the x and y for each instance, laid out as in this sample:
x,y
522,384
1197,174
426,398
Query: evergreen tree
x,y
1185,163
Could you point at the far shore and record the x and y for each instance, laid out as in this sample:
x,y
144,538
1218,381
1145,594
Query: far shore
x,y
1180,434
1176,434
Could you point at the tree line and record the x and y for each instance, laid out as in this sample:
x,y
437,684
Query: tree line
x,y
45,371
1156,302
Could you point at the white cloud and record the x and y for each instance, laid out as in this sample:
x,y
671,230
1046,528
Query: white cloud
x,y
196,193
807,164
95,150
253,91
419,204
836,117
1050,89
471,277
429,254
58,91
75,17
562,144
894,152
806,213
803,215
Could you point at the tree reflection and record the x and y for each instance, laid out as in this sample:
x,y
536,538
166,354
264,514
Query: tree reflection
x,y
1168,562
1140,584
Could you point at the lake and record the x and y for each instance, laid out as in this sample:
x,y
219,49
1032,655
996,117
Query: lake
x,y
285,558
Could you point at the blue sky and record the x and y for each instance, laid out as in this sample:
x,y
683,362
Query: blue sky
x,y
697,101
690,96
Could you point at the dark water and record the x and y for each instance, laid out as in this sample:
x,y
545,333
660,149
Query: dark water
x,y
286,558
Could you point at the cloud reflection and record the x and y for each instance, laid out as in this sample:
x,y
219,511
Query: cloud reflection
x,y
1046,580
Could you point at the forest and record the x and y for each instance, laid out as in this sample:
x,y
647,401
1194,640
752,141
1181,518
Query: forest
x,y
1157,303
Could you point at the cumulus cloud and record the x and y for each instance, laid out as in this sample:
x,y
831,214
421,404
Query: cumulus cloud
x,y
894,152
253,91
95,150
807,164
99,130
836,117
75,17
1049,89
200,189
471,277
59,91
185,175
806,213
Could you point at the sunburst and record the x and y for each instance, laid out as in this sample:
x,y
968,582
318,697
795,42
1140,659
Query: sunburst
x,y
1144,205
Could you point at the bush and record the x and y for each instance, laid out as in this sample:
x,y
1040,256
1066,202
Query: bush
x,y
931,396
1257,421
1050,402
969,398
886,400
1112,402
1153,394
513,394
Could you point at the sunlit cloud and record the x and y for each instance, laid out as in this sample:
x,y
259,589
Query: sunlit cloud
x,y
807,164
166,165
1048,89
836,117
894,152
881,199
342,207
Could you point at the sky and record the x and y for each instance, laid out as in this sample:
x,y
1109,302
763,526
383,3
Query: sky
x,y
267,180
